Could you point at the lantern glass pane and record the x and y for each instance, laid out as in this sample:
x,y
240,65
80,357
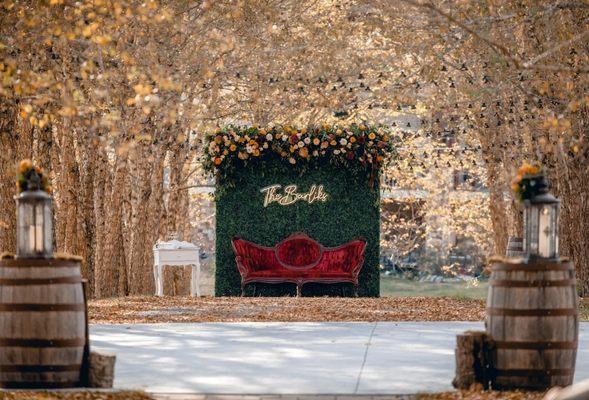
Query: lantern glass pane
x,y
25,219
38,228
48,228
555,223
533,229
544,230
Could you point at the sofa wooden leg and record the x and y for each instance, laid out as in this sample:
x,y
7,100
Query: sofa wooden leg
x,y
254,293
299,289
242,289
355,290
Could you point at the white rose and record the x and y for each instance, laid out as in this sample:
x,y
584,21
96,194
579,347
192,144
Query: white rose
x,y
284,138
336,152
265,145
307,140
315,153
343,141
292,160
249,149
269,137
301,144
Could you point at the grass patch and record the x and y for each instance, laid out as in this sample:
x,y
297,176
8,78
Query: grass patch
x,y
397,287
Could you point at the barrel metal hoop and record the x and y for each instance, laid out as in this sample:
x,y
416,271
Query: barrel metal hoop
x,y
40,281
536,266
540,373
38,263
538,312
13,342
41,307
40,368
532,284
517,345
38,385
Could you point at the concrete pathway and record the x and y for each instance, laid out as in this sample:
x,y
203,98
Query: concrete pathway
x,y
288,358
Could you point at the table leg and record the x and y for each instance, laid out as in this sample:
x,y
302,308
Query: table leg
x,y
160,280
156,279
194,280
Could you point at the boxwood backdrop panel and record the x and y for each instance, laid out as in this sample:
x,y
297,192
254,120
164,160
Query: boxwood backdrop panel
x,y
351,211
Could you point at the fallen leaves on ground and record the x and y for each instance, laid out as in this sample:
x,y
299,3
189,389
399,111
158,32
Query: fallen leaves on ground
x,y
75,395
151,309
479,395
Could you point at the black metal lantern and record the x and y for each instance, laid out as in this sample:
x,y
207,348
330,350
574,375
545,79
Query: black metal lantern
x,y
541,225
34,222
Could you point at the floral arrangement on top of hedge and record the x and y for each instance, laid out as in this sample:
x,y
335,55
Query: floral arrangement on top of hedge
x,y
357,147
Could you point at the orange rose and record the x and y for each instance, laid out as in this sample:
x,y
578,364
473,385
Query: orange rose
x,y
25,165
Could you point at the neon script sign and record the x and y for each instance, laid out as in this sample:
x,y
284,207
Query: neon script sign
x,y
290,195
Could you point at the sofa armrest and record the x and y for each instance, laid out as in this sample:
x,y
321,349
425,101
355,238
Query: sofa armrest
x,y
243,270
356,269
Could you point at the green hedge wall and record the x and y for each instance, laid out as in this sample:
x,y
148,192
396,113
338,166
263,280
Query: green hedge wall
x,y
351,211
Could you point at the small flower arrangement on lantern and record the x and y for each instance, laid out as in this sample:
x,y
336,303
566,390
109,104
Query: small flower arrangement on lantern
x,y
26,172
358,146
529,182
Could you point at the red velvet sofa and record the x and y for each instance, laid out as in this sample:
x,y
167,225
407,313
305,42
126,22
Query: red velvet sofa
x,y
299,259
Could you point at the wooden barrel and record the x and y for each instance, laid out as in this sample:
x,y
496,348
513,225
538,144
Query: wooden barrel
x,y
43,323
533,322
515,247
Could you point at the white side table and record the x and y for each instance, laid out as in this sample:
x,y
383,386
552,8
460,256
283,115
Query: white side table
x,y
176,253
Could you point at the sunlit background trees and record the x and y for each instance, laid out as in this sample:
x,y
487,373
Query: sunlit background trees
x,y
114,97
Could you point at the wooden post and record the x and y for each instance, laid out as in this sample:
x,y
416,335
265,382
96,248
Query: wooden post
x,y
471,360
102,370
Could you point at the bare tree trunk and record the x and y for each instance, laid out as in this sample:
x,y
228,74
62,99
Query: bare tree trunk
x,y
7,177
111,272
100,186
177,210
86,222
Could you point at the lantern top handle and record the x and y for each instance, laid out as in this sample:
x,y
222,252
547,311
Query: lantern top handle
x,y
34,181
543,195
